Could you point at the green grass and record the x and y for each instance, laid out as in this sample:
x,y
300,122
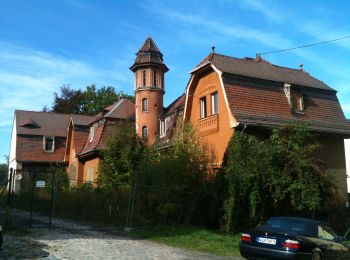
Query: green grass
x,y
195,239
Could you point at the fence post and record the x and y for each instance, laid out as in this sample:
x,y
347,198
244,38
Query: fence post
x,y
32,200
52,198
132,205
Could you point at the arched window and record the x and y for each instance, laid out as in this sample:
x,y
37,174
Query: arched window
x,y
144,104
144,77
144,133
155,78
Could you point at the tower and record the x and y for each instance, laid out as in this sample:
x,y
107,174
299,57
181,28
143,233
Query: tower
x,y
149,71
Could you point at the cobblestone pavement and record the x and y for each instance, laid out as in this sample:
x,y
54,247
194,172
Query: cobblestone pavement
x,y
77,241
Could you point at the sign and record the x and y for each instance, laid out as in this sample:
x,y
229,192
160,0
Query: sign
x,y
40,184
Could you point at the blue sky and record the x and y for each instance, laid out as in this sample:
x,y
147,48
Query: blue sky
x,y
45,44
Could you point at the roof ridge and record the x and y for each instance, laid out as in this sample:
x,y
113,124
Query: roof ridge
x,y
43,112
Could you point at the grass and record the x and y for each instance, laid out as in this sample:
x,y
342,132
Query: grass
x,y
195,239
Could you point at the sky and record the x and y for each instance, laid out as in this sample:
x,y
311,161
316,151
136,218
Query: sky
x,y
47,44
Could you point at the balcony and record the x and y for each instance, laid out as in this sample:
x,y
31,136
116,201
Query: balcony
x,y
208,125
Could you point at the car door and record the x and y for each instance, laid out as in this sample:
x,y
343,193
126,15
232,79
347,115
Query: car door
x,y
330,245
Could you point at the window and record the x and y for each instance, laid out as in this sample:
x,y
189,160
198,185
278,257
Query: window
x,y
144,133
144,104
92,133
325,232
144,77
72,173
90,175
203,107
49,144
155,78
162,128
214,103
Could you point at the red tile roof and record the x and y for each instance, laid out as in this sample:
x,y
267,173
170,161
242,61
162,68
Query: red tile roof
x,y
261,69
30,149
82,120
268,106
48,124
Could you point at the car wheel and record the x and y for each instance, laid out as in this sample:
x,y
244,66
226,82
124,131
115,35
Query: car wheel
x,y
316,256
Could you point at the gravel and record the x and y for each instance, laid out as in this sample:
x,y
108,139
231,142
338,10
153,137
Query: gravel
x,y
71,240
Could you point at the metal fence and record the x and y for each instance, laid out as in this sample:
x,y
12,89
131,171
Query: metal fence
x,y
36,198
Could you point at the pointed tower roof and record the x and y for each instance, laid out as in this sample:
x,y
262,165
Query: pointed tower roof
x,y
149,54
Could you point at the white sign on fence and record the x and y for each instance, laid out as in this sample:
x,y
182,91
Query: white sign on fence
x,y
40,184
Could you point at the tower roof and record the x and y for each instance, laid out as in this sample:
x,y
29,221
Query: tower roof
x,y
149,54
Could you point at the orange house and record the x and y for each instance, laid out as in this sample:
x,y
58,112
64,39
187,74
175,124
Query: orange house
x,y
225,93
87,136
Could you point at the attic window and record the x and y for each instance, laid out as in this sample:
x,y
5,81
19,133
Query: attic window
x,y
49,144
298,105
92,132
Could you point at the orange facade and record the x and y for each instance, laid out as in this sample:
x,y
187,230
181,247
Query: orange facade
x,y
213,121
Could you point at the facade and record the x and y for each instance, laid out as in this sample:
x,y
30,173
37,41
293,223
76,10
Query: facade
x,y
226,93
38,141
149,71
87,136
223,94
347,158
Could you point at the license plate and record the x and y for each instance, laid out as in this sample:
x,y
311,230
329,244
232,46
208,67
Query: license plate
x,y
265,240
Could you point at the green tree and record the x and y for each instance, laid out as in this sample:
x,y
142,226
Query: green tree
x,y
280,175
121,158
69,101
94,101
3,173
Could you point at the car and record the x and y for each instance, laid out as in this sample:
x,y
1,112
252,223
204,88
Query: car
x,y
1,236
293,238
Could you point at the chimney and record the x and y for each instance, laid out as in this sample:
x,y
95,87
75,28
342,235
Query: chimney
x,y
301,67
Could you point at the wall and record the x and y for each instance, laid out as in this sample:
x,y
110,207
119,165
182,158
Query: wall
x,y
91,164
332,152
347,158
215,130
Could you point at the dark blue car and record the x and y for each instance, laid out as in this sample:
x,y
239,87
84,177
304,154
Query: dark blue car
x,y
293,238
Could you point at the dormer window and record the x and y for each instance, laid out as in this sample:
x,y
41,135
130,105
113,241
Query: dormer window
x,y
92,132
144,104
49,144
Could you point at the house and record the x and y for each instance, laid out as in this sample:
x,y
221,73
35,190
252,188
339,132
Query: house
x,y
78,131
38,140
225,93
88,136
347,159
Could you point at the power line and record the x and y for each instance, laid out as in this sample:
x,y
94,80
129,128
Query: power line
x,y
304,46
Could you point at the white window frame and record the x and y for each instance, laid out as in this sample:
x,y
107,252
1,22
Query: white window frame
x,y
203,107
45,138
92,133
214,103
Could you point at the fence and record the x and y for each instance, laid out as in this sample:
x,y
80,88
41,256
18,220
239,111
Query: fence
x,y
41,196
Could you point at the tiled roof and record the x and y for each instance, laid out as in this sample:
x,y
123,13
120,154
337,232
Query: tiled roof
x,y
48,124
179,103
30,149
121,109
82,120
149,54
261,69
269,107
80,137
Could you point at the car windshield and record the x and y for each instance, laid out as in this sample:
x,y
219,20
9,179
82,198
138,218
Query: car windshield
x,y
295,226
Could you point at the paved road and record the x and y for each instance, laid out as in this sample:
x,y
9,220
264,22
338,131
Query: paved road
x,y
76,241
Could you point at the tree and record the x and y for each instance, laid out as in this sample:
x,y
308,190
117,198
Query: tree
x,y
3,173
280,175
88,102
121,157
69,101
